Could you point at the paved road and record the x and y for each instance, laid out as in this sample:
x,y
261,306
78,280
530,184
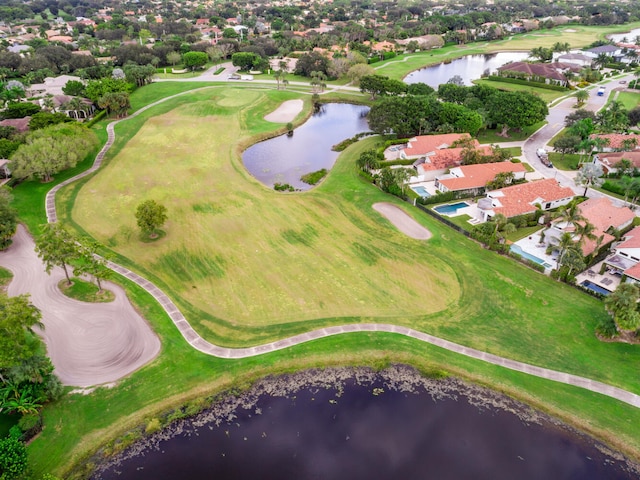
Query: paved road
x,y
555,123
197,342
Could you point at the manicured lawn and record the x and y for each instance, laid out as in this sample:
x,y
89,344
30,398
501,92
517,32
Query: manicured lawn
x,y
85,291
569,162
547,95
523,232
491,136
629,100
247,265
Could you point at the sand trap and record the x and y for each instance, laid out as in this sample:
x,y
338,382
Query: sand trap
x,y
88,343
286,112
570,30
402,221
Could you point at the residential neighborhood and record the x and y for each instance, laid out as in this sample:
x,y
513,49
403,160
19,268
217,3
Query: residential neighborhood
x,y
220,218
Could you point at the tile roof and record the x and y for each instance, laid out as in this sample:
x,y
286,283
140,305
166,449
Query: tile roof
x,y
616,139
633,272
602,214
425,144
546,70
447,158
631,239
520,199
477,176
611,158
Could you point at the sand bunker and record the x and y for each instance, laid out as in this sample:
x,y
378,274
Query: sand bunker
x,y
286,112
402,221
89,343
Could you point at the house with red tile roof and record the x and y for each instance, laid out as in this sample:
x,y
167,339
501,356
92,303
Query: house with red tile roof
x,y
433,153
552,72
618,141
525,198
608,160
424,145
475,177
603,215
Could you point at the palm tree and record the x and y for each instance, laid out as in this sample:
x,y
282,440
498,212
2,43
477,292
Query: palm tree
x,y
278,76
581,97
622,305
589,175
585,230
565,242
570,214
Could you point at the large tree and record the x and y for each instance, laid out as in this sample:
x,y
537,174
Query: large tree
x,y
515,110
18,317
57,247
51,150
150,216
8,218
117,103
312,62
195,60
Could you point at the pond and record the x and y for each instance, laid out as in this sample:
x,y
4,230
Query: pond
x,y
351,423
469,67
285,159
630,36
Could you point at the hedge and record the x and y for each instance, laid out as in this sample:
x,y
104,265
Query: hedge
x,y
519,81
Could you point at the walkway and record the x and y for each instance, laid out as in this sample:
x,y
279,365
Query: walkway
x,y
200,344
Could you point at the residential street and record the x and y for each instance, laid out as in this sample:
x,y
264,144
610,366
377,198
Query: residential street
x,y
555,123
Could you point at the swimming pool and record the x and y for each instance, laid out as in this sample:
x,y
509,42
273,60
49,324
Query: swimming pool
x,y
595,288
421,191
518,251
450,209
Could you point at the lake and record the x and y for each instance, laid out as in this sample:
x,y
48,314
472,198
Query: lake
x,y
630,36
355,423
469,67
285,159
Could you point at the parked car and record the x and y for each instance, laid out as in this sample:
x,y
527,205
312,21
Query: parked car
x,y
601,91
544,157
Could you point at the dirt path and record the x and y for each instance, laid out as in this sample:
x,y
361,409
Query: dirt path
x,y
286,112
402,221
89,344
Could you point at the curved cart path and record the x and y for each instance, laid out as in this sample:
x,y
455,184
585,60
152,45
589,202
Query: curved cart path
x,y
89,343
197,342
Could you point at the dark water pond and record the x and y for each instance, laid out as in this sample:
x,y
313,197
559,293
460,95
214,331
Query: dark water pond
x,y
630,36
285,159
357,424
470,67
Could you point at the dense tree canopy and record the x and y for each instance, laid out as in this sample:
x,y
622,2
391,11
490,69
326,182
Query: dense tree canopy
x,y
51,150
150,216
17,320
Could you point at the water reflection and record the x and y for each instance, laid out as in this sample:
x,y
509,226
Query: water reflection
x,y
387,425
470,67
285,159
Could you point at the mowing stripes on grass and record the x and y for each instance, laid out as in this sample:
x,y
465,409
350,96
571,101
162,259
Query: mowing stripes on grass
x,y
208,208
367,255
188,266
306,236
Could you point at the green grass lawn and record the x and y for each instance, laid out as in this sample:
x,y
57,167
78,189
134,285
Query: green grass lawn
x,y
85,291
247,265
569,162
629,100
547,95
492,136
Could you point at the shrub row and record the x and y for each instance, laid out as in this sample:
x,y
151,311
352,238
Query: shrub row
x,y
518,81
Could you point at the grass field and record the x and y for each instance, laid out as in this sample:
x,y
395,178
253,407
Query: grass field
x,y
629,100
233,238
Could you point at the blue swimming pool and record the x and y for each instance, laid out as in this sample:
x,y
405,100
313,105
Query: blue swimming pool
x,y
450,209
595,288
421,191
517,250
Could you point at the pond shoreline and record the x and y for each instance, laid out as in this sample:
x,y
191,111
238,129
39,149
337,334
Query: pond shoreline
x,y
400,378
